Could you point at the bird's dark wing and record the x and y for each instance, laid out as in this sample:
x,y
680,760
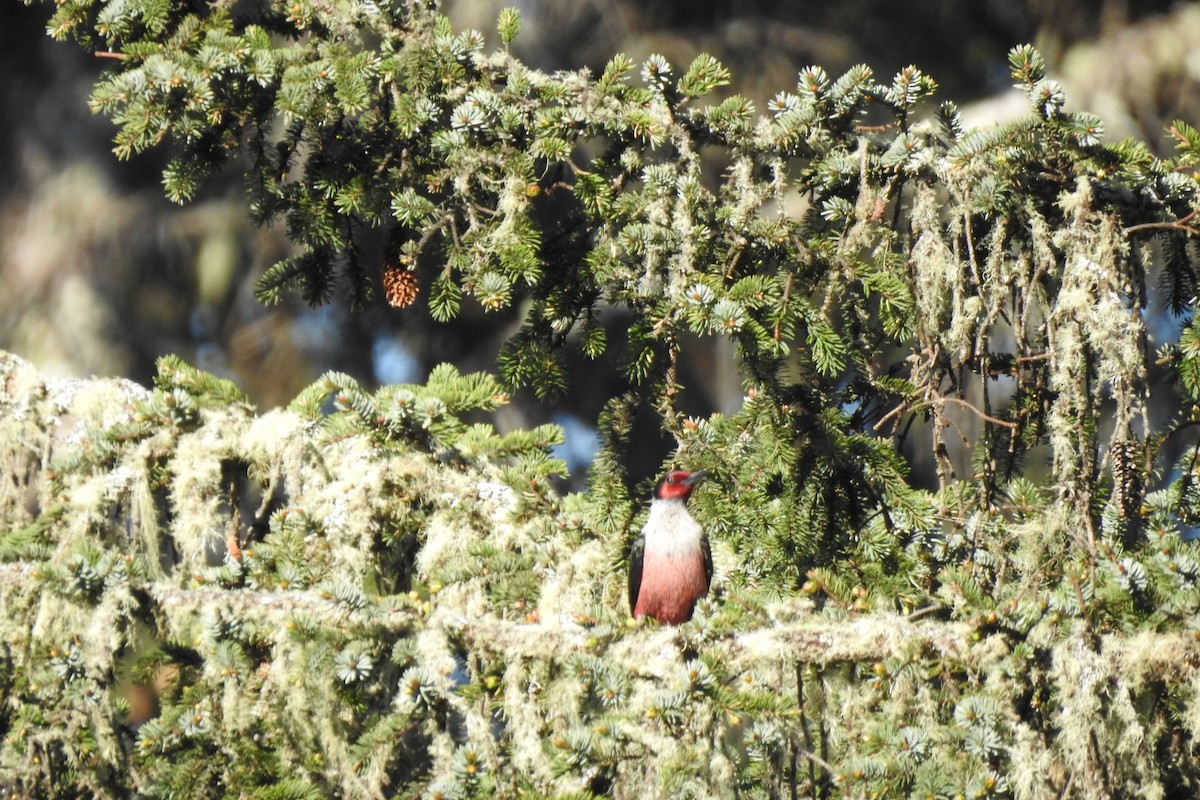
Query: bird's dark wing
x,y
708,565
636,554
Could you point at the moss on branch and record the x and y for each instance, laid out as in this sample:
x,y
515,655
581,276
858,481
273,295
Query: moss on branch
x,y
324,602
371,593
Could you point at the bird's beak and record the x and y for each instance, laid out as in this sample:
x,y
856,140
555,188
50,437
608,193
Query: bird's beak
x,y
695,477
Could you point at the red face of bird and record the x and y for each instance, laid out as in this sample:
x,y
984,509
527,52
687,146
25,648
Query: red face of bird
x,y
678,484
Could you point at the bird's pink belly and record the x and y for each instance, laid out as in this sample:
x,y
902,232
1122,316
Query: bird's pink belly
x,y
670,588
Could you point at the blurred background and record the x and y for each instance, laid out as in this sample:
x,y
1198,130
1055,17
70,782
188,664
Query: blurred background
x,y
99,275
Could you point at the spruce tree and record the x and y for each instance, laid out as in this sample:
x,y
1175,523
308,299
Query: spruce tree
x,y
375,594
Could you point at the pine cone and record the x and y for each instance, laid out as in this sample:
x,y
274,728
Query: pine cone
x,y
400,286
1129,488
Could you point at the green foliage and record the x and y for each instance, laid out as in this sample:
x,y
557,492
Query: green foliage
x,y
207,390
508,25
344,596
429,417
970,299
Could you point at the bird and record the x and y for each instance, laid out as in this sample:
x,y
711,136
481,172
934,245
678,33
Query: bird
x,y
670,563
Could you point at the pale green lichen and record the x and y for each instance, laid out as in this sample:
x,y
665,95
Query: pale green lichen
x,y
486,616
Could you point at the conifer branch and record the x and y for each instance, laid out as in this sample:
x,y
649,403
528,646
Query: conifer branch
x,y
414,607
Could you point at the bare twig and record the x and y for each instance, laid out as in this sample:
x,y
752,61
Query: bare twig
x,y
1180,224
905,406
787,293
978,413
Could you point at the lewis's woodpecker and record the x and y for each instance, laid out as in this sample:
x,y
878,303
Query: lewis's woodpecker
x,y
670,565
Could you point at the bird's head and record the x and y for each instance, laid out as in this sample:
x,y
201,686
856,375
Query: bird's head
x,y
678,484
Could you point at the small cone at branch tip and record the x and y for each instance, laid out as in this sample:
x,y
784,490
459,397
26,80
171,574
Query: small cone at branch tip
x,y
670,564
400,286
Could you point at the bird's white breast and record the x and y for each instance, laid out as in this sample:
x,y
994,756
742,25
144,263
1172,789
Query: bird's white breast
x,y
670,530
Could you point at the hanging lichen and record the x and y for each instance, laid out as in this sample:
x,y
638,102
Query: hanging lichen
x,y
366,595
